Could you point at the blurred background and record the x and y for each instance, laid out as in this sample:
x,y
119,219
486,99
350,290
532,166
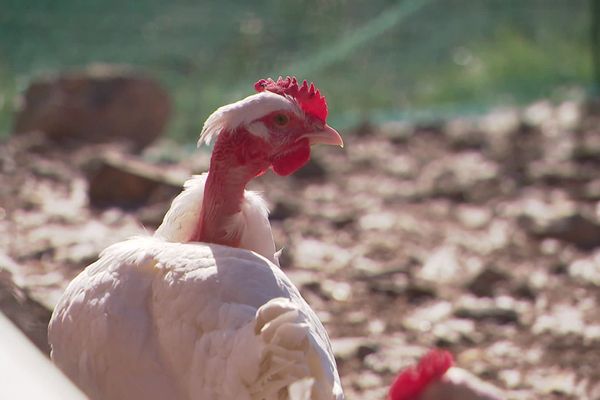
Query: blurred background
x,y
462,213
376,60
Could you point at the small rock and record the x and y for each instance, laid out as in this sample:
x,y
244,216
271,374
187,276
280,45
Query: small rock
x,y
368,380
314,169
486,282
499,128
465,175
377,221
119,180
591,190
444,267
396,131
454,330
553,382
424,318
101,104
586,269
563,319
283,210
392,356
464,133
588,147
575,228
349,347
538,113
473,217
501,309
376,326
339,291
511,378
316,254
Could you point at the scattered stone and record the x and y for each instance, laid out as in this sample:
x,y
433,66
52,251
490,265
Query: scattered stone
x,y
283,210
443,266
461,176
464,134
553,382
339,291
538,113
586,269
501,310
316,254
315,169
563,319
575,227
396,131
347,348
499,128
383,221
591,190
485,283
369,380
101,104
390,284
511,378
455,330
424,318
117,180
473,217
588,147
393,355
376,326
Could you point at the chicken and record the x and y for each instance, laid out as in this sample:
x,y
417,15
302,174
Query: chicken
x,y
435,378
201,309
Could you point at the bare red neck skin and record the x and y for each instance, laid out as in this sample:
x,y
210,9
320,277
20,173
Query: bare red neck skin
x,y
237,158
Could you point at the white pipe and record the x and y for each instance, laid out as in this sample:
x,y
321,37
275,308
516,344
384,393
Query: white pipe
x,y
25,373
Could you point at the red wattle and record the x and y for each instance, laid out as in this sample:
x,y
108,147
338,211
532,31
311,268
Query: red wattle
x,y
293,160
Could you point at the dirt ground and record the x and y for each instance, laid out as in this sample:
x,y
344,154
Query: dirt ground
x,y
477,235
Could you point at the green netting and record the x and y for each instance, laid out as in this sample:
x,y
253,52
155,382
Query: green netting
x,y
376,59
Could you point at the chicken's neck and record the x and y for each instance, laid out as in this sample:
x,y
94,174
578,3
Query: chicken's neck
x,y
236,160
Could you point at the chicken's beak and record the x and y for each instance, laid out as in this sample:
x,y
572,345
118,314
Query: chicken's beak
x,y
327,135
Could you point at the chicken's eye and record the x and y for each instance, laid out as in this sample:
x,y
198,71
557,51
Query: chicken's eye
x,y
281,119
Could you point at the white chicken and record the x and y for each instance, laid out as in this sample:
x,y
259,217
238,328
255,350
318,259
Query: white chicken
x,y
201,309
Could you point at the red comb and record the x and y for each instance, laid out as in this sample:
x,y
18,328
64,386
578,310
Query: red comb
x,y
306,95
411,382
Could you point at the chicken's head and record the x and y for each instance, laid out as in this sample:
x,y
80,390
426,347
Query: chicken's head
x,y
273,128
411,383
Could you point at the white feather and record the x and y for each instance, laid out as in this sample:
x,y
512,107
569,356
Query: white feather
x,y
253,220
244,112
158,320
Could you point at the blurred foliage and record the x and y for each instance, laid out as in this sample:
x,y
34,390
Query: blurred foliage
x,y
373,59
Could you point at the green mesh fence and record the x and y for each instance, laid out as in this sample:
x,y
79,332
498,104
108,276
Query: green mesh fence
x,y
374,60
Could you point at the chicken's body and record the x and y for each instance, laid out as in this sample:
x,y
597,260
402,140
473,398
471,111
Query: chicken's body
x,y
201,310
159,320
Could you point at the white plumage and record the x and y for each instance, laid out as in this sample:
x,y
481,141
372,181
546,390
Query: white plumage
x,y
157,319
253,220
168,317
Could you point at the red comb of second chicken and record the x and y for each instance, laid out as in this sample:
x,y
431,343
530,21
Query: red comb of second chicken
x,y
308,97
411,382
